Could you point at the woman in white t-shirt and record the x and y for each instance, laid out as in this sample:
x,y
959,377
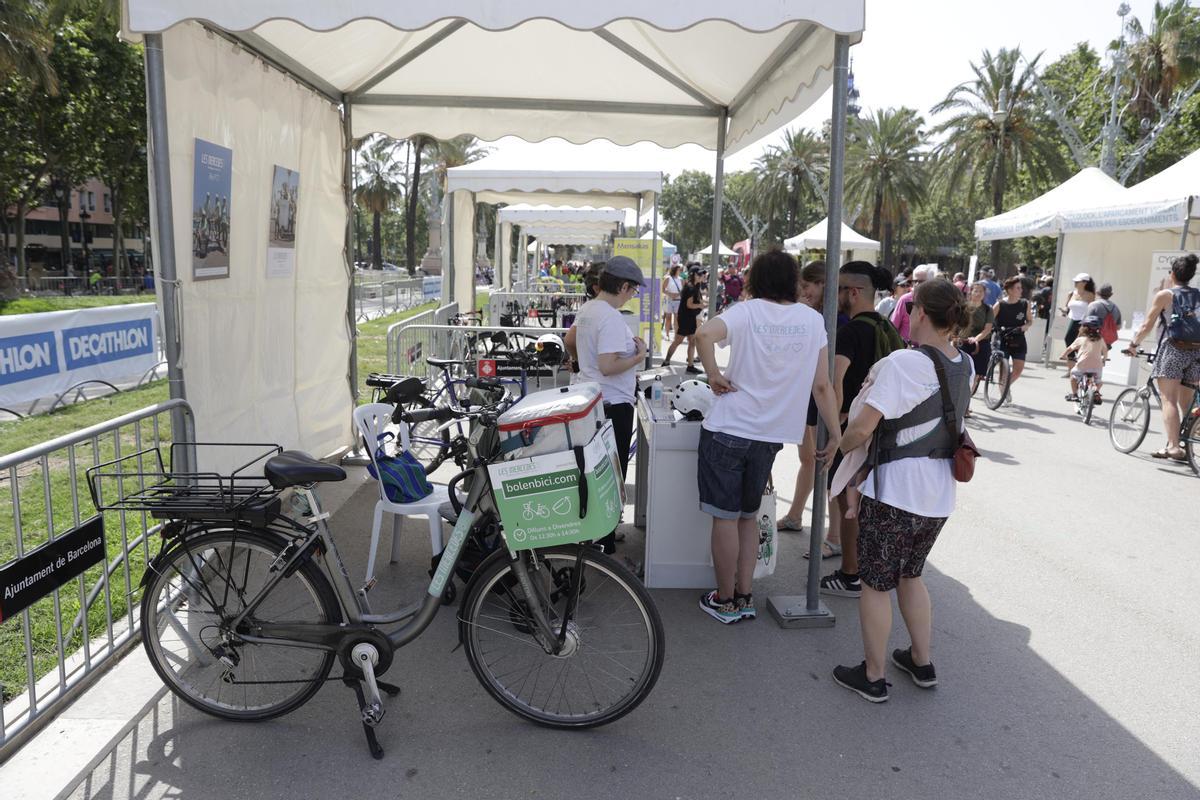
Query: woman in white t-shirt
x,y
777,357
672,287
907,498
608,353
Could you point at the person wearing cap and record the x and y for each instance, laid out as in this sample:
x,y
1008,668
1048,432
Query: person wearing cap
x,y
887,305
1082,295
691,302
1103,307
609,354
925,272
992,290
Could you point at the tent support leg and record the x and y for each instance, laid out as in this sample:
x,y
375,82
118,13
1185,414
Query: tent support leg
x,y
164,233
355,456
653,345
809,611
714,280
1058,254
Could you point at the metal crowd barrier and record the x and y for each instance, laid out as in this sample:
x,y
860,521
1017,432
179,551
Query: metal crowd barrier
x,y
81,285
379,293
64,640
506,304
417,342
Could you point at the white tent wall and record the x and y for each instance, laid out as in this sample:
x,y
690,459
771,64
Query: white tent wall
x,y
505,254
266,359
462,227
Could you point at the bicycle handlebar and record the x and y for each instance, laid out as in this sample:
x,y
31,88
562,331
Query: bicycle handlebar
x,y
427,414
486,384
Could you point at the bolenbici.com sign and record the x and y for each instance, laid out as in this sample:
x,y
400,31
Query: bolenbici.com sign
x,y
42,355
540,501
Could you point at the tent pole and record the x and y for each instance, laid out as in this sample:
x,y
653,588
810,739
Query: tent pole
x,y
809,612
164,236
714,280
652,345
497,269
1186,220
1058,255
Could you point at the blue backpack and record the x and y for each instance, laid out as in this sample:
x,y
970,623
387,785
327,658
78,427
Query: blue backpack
x,y
1184,324
402,475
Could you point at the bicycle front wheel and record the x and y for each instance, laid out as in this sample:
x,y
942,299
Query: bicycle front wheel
x,y
613,651
1129,420
1191,445
195,592
995,382
1086,405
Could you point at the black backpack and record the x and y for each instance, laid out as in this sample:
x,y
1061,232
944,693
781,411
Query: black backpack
x,y
1184,323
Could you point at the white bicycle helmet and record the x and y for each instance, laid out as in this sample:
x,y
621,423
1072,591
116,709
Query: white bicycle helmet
x,y
550,348
693,399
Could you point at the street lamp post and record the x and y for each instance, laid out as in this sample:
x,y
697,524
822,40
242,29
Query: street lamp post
x,y
84,216
62,195
999,117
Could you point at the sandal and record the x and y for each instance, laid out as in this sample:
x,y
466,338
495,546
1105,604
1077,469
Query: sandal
x,y
789,524
828,550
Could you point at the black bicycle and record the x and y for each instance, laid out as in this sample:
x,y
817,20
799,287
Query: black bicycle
x,y
1129,420
997,377
246,610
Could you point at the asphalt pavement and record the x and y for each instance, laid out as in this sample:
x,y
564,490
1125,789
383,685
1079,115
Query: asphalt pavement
x,y
1066,641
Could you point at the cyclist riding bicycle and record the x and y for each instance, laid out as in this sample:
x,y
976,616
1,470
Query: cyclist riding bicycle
x,y
1090,351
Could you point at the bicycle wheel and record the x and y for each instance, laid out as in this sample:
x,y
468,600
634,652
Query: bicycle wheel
x,y
427,444
614,647
1191,445
194,592
995,382
1086,406
1129,420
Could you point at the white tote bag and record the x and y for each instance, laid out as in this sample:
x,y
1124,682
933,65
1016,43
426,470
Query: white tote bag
x,y
768,535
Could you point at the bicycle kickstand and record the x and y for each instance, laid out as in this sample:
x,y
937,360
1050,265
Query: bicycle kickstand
x,y
372,740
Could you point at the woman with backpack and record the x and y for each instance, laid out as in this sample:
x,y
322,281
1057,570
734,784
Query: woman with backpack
x,y
1178,311
910,492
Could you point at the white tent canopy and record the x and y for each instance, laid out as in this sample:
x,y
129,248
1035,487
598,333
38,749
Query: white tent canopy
x,y
670,69
1161,202
1044,215
651,234
815,238
722,249
564,216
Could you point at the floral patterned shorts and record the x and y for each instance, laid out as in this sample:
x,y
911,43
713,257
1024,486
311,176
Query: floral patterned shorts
x,y
892,544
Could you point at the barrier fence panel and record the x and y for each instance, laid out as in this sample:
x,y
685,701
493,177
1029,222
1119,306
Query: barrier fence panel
x,y
393,337
59,626
379,293
82,284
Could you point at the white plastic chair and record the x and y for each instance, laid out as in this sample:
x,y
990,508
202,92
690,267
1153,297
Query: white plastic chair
x,y
371,421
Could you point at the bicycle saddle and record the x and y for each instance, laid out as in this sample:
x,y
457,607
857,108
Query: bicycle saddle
x,y
381,380
405,390
294,468
443,362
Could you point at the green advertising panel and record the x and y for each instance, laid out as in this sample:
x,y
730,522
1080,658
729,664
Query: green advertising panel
x,y
539,498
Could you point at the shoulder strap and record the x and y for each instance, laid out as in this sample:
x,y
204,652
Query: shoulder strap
x,y
948,412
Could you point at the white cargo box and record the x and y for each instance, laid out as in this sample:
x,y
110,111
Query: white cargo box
x,y
551,421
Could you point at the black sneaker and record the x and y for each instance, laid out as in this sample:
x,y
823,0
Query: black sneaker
x,y
691,368
839,584
723,611
745,605
855,679
922,676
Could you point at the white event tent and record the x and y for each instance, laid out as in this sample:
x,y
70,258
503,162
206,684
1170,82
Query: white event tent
x,y
656,235
722,250
815,239
264,354
554,225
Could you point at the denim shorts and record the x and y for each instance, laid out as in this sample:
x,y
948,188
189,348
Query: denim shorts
x,y
732,473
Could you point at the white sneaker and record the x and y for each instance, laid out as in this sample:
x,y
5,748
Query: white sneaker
x,y
1008,401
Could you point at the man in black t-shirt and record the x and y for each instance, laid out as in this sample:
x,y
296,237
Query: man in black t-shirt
x,y
858,343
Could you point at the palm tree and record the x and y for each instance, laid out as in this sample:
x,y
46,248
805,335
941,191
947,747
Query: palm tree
x,y
25,42
456,152
885,170
789,172
1165,58
997,121
416,145
380,186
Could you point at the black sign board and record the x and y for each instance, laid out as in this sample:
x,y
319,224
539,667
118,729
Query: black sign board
x,y
29,579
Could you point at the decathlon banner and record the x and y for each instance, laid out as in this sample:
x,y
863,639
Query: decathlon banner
x,y
42,355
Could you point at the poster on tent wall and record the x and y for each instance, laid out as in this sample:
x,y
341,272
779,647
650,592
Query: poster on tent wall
x,y
648,302
212,186
1160,272
281,223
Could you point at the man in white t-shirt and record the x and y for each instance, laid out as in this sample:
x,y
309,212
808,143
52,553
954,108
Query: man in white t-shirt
x,y
609,354
777,358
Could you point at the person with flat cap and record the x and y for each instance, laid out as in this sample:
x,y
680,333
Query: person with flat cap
x,y
609,354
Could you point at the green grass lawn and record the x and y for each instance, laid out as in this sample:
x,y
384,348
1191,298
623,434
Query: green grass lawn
x,y
38,516
36,305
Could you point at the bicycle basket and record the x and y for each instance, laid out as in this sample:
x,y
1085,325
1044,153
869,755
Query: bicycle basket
x,y
141,482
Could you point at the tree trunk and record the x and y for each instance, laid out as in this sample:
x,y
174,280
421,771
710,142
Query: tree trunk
x,y
877,214
120,261
377,244
64,239
410,210
887,244
793,206
4,221
22,266
998,206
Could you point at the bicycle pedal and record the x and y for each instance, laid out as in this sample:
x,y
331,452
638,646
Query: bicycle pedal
x,y
369,585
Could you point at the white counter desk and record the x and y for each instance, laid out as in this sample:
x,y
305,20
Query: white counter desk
x,y
667,504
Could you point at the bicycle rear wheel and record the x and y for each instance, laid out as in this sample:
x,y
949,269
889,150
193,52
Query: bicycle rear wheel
x,y
1191,445
197,589
1087,403
614,647
995,382
1129,420
427,443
